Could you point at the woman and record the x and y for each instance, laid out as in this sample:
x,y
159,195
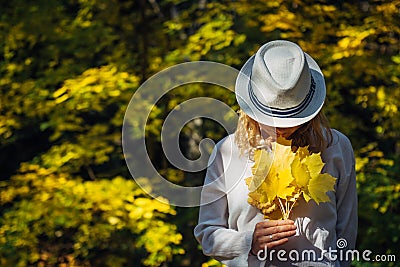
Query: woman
x,y
281,91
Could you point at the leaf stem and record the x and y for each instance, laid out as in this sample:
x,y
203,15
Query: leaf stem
x,y
282,208
291,207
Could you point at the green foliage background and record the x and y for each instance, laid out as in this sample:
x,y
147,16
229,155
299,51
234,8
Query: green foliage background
x,y
69,68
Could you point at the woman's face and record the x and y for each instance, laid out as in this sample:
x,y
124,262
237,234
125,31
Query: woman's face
x,y
277,132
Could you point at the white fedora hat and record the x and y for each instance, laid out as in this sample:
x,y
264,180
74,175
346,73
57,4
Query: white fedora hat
x,y
280,85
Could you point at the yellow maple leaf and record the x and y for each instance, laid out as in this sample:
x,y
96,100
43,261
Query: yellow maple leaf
x,y
280,177
302,152
273,214
279,186
248,181
314,164
282,158
263,161
300,173
320,185
256,196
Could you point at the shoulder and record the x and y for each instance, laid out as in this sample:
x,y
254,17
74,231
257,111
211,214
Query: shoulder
x,y
340,151
227,150
339,140
339,158
227,145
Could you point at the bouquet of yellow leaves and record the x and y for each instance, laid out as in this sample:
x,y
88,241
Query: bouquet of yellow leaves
x,y
281,176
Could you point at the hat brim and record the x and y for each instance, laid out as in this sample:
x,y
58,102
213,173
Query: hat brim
x,y
315,105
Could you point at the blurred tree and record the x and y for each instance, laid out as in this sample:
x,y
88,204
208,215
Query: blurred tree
x,y
64,90
57,220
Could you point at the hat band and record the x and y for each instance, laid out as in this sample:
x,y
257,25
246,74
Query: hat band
x,y
282,113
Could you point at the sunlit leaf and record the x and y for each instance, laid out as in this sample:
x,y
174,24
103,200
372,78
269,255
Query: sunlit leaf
x,y
320,185
291,175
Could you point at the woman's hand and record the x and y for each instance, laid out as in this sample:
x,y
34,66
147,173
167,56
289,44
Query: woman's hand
x,y
271,233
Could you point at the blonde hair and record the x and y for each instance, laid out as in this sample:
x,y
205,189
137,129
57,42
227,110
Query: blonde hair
x,y
315,133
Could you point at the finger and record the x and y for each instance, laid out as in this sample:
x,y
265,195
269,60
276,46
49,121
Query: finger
x,y
278,222
274,230
272,223
282,235
274,237
280,229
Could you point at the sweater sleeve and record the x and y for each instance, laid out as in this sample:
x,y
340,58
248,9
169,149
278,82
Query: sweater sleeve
x,y
346,198
212,231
